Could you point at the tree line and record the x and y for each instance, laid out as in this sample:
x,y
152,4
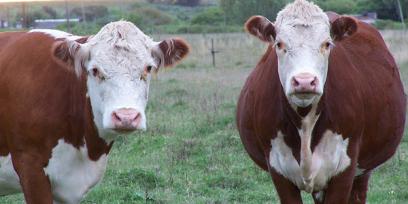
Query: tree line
x,y
237,11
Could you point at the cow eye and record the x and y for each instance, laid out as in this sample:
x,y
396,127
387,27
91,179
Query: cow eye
x,y
149,68
97,74
280,46
327,45
146,71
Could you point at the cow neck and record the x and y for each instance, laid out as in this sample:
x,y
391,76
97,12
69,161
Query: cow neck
x,y
295,114
304,128
290,114
96,146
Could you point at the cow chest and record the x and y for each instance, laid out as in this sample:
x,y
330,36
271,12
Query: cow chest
x,y
316,168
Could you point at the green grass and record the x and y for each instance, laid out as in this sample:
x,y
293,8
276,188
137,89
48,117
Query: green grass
x,y
191,152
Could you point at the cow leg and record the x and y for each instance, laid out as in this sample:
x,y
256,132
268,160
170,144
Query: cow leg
x,y
287,191
359,190
35,184
339,187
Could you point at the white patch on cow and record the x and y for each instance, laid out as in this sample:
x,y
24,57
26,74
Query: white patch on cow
x,y
319,196
70,170
316,168
303,30
283,161
56,34
9,181
72,173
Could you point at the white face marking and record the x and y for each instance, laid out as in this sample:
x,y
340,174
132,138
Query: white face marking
x,y
9,181
72,173
120,52
116,60
316,168
302,34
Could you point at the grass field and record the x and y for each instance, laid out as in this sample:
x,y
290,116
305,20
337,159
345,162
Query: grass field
x,y
192,153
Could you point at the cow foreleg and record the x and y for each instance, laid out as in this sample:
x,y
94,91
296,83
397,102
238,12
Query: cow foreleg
x,y
287,191
339,187
35,184
359,190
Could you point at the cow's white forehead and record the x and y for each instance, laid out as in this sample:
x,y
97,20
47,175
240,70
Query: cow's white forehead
x,y
122,45
122,34
301,13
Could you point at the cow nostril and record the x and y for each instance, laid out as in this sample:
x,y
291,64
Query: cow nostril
x,y
116,116
138,115
295,83
314,82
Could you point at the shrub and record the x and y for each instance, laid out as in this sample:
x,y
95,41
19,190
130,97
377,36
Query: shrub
x,y
211,16
148,17
388,24
81,28
91,12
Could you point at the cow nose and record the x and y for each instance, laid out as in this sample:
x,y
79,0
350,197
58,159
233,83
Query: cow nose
x,y
305,82
126,119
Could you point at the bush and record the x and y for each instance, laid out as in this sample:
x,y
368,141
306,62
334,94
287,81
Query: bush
x,y
91,12
201,29
211,16
81,28
32,16
388,25
148,17
341,7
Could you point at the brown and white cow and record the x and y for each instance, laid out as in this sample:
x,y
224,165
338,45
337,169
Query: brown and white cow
x,y
323,107
64,98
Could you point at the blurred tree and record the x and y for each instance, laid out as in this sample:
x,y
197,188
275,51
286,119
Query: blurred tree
x,y
91,12
178,2
147,18
50,11
188,2
238,11
339,6
211,16
31,16
386,9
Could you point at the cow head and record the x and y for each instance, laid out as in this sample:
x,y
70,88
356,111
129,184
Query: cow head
x,y
118,62
303,38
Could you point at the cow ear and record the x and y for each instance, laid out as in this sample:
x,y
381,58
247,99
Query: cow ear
x,y
343,27
71,54
169,52
261,27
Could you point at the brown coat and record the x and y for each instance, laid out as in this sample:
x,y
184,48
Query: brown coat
x,y
363,100
41,102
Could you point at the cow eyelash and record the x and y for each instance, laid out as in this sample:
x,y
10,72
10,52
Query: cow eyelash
x,y
149,68
97,74
146,71
280,46
328,45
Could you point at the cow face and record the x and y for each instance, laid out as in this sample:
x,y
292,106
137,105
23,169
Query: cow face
x,y
118,62
302,37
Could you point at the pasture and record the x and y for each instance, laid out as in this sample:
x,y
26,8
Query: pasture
x,y
191,152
